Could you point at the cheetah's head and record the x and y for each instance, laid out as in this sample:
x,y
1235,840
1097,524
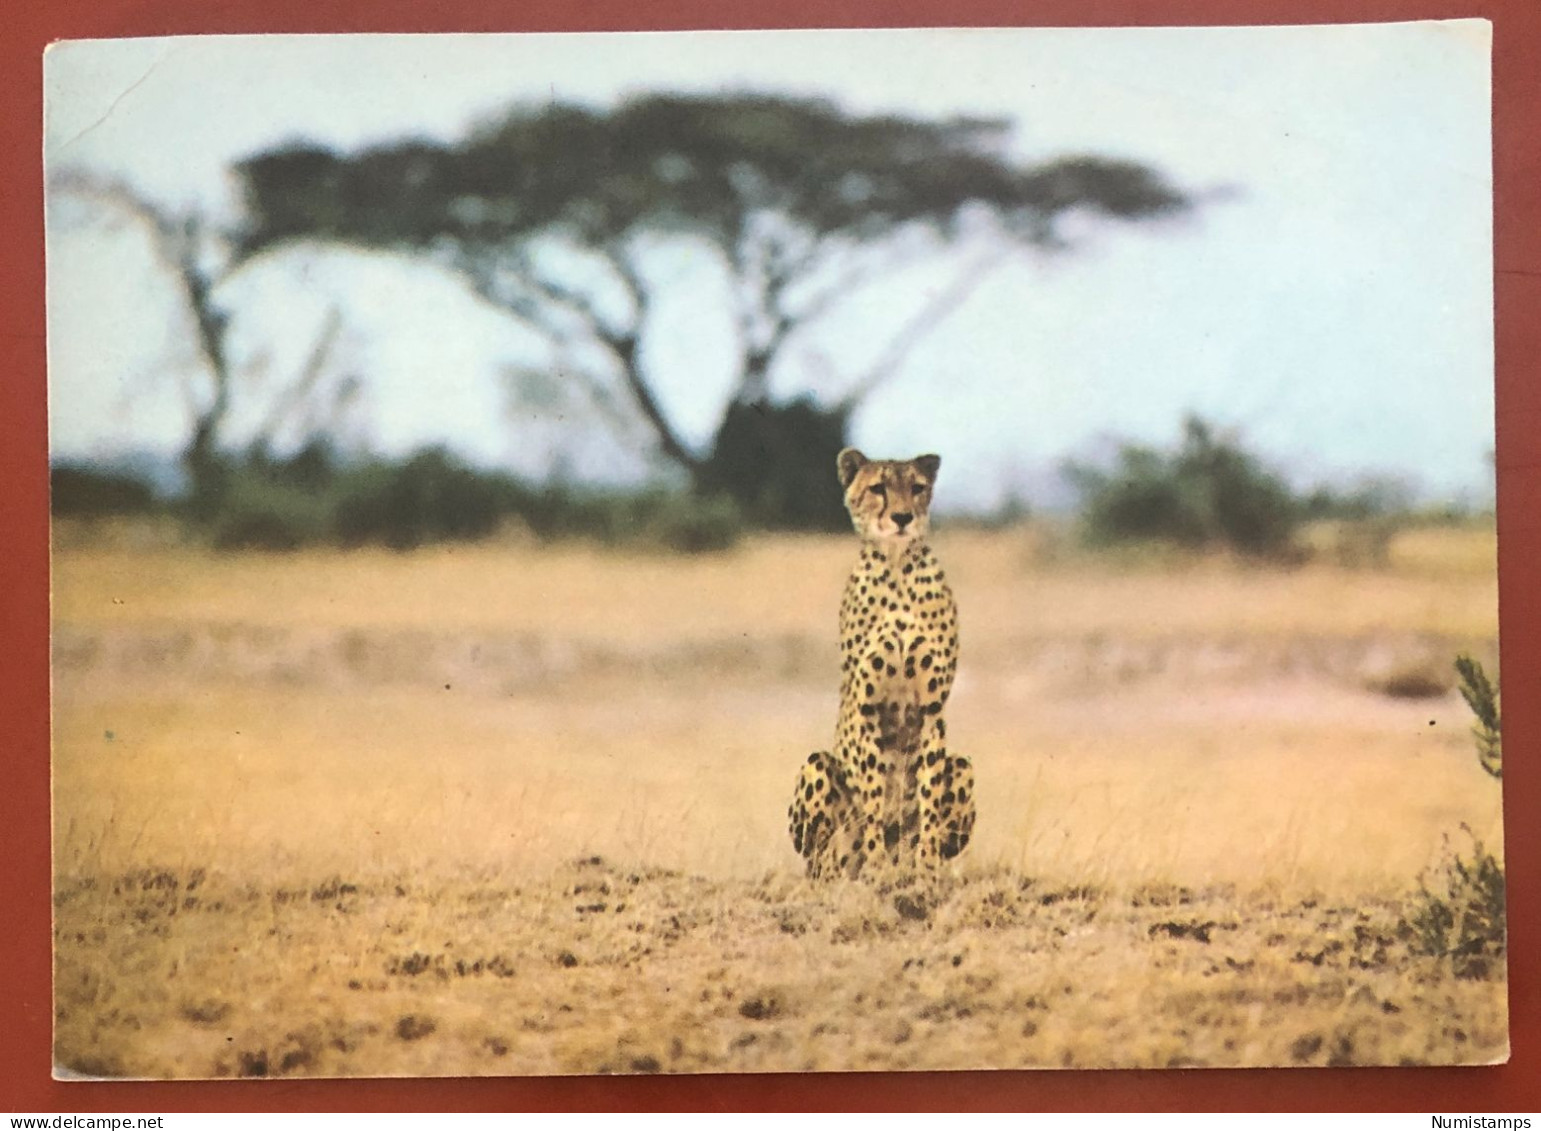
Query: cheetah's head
x,y
889,499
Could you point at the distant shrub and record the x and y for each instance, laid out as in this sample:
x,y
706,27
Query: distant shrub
x,y
78,491
1375,497
315,467
1208,493
672,520
432,497
258,514
313,498
266,502
562,510
776,462
689,524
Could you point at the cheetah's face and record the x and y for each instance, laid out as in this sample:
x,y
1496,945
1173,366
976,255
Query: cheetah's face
x,y
889,499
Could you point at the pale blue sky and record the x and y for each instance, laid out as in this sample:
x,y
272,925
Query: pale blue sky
x,y
1336,309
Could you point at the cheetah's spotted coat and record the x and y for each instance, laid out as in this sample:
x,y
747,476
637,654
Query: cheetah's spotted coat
x,y
890,799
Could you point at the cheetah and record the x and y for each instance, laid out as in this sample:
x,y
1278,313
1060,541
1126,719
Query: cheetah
x,y
890,801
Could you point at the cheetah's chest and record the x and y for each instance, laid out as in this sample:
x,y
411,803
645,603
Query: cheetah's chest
x,y
898,630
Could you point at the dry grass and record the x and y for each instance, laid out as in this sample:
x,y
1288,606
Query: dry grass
x,y
596,968
319,814
1439,581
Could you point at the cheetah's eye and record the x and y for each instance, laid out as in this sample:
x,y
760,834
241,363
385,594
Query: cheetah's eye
x,y
878,489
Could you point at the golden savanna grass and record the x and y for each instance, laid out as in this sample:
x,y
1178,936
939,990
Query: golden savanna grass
x,y
517,809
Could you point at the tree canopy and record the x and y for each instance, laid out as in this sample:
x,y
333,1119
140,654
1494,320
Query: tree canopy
x,y
556,214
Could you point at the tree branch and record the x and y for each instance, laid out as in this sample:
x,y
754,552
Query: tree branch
x,y
784,318
920,324
310,375
769,266
178,245
534,305
627,349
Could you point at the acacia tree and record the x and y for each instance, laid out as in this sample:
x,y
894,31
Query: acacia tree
x,y
199,258
560,215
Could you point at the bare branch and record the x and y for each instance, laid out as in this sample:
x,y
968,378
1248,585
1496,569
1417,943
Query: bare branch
x,y
922,323
620,261
114,192
531,308
626,347
180,245
310,374
784,316
536,299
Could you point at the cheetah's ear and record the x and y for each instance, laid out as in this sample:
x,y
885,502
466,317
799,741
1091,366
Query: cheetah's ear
x,y
928,465
848,463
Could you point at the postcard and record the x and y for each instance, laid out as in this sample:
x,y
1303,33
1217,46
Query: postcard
x,y
774,551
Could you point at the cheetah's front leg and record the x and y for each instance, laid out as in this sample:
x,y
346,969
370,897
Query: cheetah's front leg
x,y
890,818
946,796
822,817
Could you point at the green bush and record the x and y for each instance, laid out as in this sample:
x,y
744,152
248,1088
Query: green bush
x,y
79,491
315,467
1208,493
1376,497
315,499
1461,914
672,520
432,497
776,462
688,524
259,514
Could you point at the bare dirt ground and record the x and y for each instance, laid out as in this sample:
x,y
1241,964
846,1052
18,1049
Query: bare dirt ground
x,y
513,810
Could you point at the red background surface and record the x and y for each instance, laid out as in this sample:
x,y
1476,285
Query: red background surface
x,y
25,1009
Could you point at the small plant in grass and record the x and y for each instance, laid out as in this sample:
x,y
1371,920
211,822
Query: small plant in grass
x,y
1460,912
